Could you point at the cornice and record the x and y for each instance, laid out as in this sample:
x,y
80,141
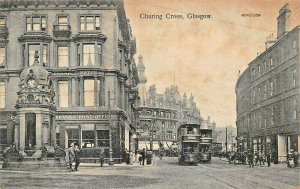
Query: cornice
x,y
90,36
9,5
35,37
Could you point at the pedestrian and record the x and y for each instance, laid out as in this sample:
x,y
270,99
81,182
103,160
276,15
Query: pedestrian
x,y
127,157
256,157
143,156
269,159
70,155
77,157
101,157
250,159
260,158
296,158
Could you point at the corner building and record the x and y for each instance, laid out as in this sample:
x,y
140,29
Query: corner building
x,y
160,115
268,95
87,48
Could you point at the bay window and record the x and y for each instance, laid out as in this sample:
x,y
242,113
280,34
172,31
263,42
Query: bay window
x,y
89,92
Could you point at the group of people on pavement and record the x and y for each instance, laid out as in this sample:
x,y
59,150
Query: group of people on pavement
x,y
260,158
73,155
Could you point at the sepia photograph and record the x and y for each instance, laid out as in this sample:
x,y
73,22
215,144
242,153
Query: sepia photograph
x,y
149,94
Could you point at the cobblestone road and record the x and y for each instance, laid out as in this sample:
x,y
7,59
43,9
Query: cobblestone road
x,y
164,173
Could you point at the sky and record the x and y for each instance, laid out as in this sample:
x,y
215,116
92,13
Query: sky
x,y
204,55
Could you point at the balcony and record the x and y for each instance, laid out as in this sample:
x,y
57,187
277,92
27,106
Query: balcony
x,y
63,31
3,32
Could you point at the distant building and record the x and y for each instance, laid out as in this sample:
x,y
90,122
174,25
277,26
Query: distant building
x,y
161,114
87,48
231,137
268,95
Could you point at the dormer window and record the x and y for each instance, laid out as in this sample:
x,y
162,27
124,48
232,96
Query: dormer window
x,y
36,23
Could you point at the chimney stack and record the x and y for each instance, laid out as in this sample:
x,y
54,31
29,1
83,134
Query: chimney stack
x,y
283,21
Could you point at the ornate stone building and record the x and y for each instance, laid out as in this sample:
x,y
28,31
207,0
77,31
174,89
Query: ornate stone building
x,y
268,95
161,114
87,48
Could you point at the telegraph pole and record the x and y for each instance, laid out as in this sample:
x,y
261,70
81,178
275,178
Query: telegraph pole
x,y
110,161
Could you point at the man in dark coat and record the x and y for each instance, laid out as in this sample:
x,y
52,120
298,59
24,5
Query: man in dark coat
x,y
143,156
77,157
101,156
269,159
250,157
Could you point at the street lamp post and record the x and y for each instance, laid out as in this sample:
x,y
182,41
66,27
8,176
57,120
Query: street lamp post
x,y
110,161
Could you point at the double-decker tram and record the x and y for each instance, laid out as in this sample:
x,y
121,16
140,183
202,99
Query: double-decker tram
x,y
205,145
188,144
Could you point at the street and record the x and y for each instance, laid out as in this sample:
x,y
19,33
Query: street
x,y
165,173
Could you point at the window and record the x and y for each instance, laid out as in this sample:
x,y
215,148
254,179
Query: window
x,y
3,138
89,23
89,93
258,67
57,136
120,59
272,116
43,56
72,135
163,135
294,77
271,88
294,47
154,113
265,64
253,96
100,54
88,136
62,56
265,91
271,62
89,55
174,136
63,93
63,22
2,56
163,124
2,22
36,23
295,109
253,72
2,95
162,114
103,138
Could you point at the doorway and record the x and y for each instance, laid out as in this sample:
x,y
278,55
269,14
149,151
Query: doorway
x,y
30,130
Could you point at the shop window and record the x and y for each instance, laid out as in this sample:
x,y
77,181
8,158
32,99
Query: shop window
x,y
2,95
36,23
62,56
63,93
73,136
89,92
89,23
103,138
2,57
88,136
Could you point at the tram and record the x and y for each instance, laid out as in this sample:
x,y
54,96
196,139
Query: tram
x,y
188,144
205,145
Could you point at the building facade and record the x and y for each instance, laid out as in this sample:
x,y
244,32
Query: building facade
x,y
161,114
87,47
268,95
